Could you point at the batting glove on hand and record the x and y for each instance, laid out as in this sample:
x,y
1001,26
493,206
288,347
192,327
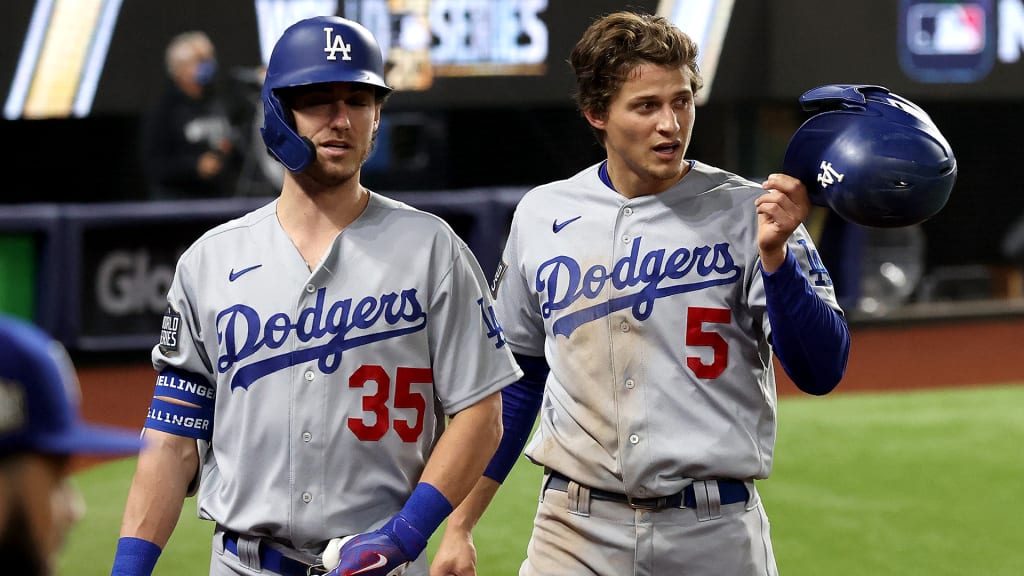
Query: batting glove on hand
x,y
384,552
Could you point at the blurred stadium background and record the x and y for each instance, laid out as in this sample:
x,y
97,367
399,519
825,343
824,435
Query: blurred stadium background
x,y
483,111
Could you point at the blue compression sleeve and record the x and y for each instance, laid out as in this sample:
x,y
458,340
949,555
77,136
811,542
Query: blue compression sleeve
x,y
134,557
520,402
811,340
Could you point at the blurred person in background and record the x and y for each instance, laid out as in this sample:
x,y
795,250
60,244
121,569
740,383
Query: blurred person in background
x,y
40,431
190,139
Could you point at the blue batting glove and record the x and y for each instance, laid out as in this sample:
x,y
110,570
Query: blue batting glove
x,y
384,552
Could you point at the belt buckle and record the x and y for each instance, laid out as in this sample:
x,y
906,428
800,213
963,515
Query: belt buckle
x,y
655,504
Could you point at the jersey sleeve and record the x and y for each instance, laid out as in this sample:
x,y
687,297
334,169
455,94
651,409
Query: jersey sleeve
x,y
801,246
516,306
180,346
470,356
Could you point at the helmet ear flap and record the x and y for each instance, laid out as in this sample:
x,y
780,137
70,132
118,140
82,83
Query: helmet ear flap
x,y
293,151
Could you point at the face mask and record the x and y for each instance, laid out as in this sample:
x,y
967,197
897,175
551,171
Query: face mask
x,y
205,72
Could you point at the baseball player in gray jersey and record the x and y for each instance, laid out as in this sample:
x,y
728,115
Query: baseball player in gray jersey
x,y
644,298
329,364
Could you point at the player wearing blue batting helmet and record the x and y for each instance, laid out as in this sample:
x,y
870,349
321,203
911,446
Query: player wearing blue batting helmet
x,y
314,51
392,379
875,158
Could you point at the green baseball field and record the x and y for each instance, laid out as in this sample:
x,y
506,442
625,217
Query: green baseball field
x,y
916,482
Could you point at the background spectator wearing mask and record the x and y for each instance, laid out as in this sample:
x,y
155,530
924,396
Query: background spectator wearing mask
x,y
190,147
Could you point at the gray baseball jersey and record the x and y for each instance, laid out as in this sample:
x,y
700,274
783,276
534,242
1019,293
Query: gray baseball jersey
x,y
651,314
331,385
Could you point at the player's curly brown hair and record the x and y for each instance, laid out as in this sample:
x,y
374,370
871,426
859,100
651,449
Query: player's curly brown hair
x,y
617,43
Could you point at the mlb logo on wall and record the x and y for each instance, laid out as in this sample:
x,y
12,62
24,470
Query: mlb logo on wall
x,y
947,41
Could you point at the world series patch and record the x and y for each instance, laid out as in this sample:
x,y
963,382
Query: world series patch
x,y
498,275
170,331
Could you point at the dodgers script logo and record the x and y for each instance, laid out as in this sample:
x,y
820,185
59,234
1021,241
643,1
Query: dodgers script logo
x,y
241,332
562,282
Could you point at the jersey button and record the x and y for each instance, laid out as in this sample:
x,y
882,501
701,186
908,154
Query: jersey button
x,y
630,384
627,211
307,497
634,439
309,375
626,239
624,327
306,436
310,288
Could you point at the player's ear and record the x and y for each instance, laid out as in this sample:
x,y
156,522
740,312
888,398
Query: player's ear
x,y
598,121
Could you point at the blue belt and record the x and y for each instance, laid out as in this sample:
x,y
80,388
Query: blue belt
x,y
273,560
729,491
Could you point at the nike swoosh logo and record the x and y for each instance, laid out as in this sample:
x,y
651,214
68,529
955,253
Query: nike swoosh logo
x,y
557,226
232,276
380,563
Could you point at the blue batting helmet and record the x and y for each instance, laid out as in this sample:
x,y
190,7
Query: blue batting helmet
x,y
875,158
314,51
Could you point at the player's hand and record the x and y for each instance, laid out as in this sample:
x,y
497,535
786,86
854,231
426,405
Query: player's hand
x,y
384,552
780,210
456,555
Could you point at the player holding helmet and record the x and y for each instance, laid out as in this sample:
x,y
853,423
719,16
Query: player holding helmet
x,y
312,349
645,297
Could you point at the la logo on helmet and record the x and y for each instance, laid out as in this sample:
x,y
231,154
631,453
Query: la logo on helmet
x,y
336,44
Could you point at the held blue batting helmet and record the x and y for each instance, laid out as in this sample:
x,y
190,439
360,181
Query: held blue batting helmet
x,y
875,158
314,51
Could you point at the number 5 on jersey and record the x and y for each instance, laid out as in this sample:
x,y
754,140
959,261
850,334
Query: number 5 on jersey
x,y
696,335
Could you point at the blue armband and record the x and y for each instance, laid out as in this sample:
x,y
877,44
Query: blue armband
x,y
180,420
194,420
135,557
520,402
185,386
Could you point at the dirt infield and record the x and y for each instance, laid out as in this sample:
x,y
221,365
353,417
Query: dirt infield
x,y
957,353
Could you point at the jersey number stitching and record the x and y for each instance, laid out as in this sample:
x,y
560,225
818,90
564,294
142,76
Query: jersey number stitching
x,y
376,403
696,335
